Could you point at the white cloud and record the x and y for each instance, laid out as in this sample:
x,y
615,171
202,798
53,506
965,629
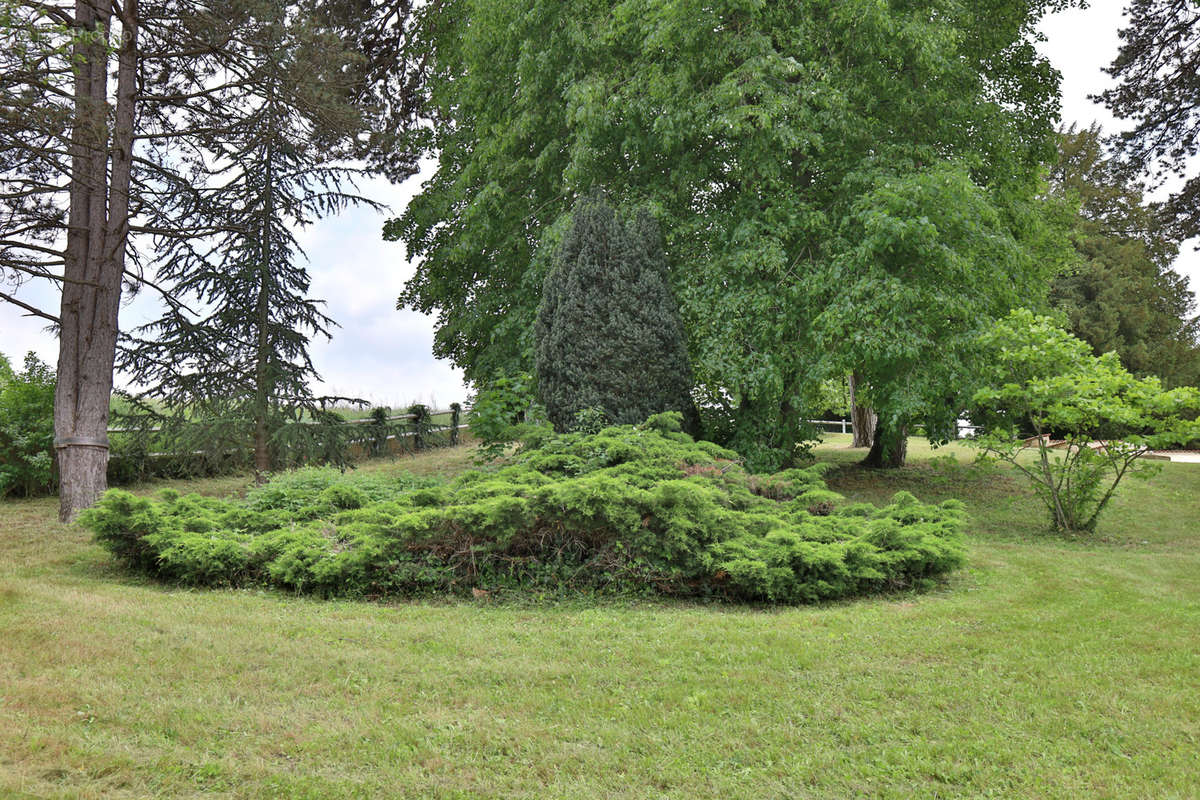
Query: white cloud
x,y
378,353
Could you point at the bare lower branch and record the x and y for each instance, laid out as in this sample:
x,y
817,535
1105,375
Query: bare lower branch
x,y
36,312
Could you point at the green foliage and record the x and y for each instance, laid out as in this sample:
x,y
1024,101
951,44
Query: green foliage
x,y
932,263
751,130
1122,294
833,396
608,334
419,424
192,444
1086,419
26,428
376,441
590,420
628,509
503,411
455,421
300,489
152,442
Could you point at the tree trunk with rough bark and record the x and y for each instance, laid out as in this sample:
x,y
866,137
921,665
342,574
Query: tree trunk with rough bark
x,y
262,311
890,447
98,218
262,450
862,418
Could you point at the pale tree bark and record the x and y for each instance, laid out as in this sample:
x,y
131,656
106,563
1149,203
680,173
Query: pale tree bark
x,y
862,418
97,235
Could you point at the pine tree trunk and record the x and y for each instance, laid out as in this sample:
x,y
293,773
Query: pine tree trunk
x,y
93,263
262,452
890,447
862,418
262,376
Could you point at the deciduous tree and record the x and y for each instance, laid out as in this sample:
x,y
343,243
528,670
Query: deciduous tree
x,y
26,428
1087,420
931,264
750,129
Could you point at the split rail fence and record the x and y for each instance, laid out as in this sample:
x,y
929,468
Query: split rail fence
x,y
214,446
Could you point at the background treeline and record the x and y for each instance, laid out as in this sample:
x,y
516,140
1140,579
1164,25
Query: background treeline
x,y
1120,293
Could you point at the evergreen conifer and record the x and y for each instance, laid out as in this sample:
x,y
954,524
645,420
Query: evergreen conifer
x,y
608,332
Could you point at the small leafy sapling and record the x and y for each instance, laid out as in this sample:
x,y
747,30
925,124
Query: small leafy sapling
x,y
1074,423
504,411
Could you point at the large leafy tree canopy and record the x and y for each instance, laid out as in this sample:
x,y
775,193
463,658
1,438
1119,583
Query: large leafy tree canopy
x,y
750,129
928,260
1122,294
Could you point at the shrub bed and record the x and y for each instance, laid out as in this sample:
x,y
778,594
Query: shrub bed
x,y
625,510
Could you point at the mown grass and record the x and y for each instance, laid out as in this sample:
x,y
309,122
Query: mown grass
x,y
1047,668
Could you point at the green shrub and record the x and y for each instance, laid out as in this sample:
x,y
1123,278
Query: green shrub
x,y
26,428
629,509
300,488
590,420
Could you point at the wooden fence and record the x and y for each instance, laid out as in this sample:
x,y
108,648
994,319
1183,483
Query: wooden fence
x,y
962,431
353,440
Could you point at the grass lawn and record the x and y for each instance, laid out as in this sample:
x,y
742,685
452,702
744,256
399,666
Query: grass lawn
x,y
1046,668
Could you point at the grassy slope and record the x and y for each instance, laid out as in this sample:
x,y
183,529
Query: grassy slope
x,y
1045,669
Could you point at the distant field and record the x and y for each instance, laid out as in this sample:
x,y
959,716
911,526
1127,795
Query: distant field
x,y
1045,669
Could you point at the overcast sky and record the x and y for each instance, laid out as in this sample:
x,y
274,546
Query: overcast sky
x,y
385,355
